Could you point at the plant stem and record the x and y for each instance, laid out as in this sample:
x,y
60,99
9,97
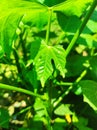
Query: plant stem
x,y
70,88
17,60
81,76
64,83
60,37
9,87
49,25
80,29
61,97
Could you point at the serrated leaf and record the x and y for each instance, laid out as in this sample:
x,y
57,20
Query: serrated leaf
x,y
43,61
89,88
72,7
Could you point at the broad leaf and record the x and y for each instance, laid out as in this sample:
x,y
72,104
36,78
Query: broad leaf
x,y
68,24
89,89
72,7
43,61
11,13
76,67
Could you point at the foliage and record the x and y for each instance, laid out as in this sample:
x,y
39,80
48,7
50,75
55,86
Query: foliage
x,y
48,50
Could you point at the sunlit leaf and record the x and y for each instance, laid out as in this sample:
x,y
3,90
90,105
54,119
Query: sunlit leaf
x,y
8,31
11,13
72,7
92,23
43,61
63,110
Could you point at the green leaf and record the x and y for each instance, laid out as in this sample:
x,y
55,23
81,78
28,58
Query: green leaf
x,y
92,23
4,118
63,110
35,46
8,31
72,7
11,13
89,89
1,52
88,40
43,61
39,107
76,67
52,2
93,67
68,23
59,124
82,124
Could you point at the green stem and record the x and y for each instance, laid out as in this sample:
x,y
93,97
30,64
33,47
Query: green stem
x,y
83,24
61,97
9,87
81,76
49,25
64,83
60,37
70,88
17,60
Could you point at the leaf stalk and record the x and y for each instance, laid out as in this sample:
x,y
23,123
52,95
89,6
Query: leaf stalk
x,y
80,29
9,87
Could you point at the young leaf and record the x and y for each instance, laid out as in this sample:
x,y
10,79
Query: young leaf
x,y
43,61
72,7
89,89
